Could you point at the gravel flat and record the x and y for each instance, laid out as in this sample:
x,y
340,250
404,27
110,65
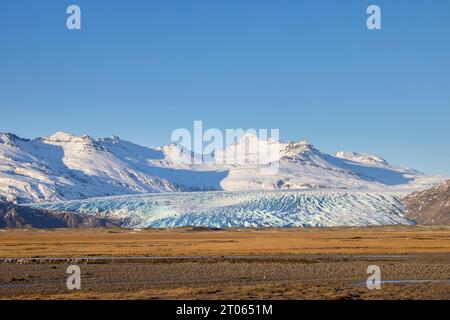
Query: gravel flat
x,y
329,276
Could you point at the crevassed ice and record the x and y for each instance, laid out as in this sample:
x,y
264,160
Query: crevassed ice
x,y
244,209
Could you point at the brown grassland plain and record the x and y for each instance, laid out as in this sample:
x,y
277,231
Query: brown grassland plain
x,y
204,242
196,263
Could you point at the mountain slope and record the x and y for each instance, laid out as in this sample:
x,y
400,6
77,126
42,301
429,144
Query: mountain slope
x,y
430,207
13,216
67,167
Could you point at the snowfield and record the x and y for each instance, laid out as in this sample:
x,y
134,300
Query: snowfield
x,y
244,209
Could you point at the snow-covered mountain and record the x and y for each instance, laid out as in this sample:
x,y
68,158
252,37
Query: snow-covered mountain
x,y
67,167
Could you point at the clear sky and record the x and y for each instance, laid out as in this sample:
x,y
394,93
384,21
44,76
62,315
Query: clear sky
x,y
140,69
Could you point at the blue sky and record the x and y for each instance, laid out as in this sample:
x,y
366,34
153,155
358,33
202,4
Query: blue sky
x,y
140,69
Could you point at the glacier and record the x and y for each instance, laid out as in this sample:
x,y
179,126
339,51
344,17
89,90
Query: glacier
x,y
222,209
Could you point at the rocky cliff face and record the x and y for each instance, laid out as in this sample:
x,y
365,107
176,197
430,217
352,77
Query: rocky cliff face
x,y
430,207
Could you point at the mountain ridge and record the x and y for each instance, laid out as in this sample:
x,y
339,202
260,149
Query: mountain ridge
x,y
68,167
431,206
14,216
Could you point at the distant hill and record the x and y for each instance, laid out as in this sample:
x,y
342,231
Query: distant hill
x,y
430,207
13,216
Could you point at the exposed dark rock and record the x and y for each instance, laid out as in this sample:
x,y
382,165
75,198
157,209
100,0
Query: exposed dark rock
x,y
430,207
14,216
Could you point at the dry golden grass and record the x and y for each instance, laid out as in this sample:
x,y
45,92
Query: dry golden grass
x,y
184,242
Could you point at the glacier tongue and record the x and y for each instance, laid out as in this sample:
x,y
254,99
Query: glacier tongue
x,y
244,209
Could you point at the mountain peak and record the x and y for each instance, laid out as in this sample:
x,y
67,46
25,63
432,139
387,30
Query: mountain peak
x,y
360,157
9,138
67,137
252,138
60,136
303,146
